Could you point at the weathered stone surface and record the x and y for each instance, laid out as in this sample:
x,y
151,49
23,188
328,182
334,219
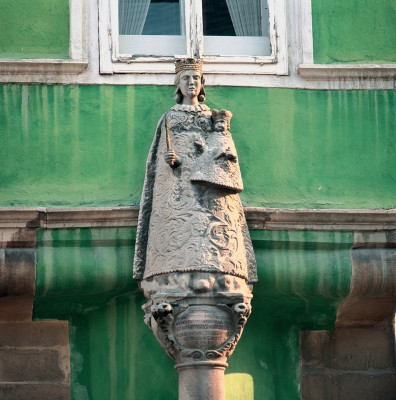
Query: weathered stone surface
x,y
202,381
257,218
30,334
17,238
17,283
25,217
357,360
372,298
17,272
346,385
348,363
34,360
34,391
16,308
349,348
20,365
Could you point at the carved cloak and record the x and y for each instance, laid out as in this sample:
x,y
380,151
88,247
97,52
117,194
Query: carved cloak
x,y
191,217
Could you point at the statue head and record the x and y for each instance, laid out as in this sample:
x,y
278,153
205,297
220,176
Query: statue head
x,y
221,120
189,80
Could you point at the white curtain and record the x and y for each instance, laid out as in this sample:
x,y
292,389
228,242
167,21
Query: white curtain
x,y
245,16
132,16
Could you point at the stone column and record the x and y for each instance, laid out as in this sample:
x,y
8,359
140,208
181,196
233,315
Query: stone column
x,y
201,380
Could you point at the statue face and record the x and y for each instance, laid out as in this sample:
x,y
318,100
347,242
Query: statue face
x,y
190,83
220,125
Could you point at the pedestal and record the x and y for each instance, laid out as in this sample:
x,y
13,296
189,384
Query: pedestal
x,y
198,319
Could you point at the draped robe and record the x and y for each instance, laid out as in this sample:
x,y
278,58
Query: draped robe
x,y
191,217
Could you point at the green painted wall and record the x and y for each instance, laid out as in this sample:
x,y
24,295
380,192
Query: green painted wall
x,y
34,29
84,275
40,29
354,31
87,145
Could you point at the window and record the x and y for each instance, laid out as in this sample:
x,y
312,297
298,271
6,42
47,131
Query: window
x,y
225,27
234,36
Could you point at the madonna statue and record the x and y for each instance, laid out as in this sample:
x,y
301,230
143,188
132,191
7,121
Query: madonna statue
x,y
194,258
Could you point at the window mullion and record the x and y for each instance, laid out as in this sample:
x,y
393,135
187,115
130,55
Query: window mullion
x,y
194,28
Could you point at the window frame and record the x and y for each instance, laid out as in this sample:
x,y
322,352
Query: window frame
x,y
112,62
78,57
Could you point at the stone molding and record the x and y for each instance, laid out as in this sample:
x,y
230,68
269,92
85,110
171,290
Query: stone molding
x,y
347,71
41,66
257,218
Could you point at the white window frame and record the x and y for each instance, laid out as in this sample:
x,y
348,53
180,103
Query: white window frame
x,y
78,60
112,62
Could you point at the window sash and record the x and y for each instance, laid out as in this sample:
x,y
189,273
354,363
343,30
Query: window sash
x,y
194,43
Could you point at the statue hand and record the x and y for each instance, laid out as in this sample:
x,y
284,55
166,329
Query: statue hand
x,y
171,158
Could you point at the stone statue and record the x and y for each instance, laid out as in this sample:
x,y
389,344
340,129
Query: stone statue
x,y
193,257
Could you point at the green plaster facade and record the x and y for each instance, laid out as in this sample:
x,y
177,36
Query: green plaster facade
x,y
34,29
354,31
83,275
87,145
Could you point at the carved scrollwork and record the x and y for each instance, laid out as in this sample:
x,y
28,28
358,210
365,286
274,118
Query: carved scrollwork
x,y
241,313
165,317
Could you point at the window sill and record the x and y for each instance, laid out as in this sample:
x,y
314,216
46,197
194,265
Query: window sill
x,y
42,66
347,71
212,65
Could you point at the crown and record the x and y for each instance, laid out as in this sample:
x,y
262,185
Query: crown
x,y
188,63
222,114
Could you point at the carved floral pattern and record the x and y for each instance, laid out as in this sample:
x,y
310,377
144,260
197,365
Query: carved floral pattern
x,y
185,225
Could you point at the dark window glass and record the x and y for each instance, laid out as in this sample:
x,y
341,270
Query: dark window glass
x,y
163,18
216,18
235,18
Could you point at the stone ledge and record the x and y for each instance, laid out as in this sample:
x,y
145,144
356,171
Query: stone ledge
x,y
320,220
257,218
41,66
347,71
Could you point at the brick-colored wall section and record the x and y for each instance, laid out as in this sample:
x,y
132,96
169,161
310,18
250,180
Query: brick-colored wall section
x,y
348,363
34,356
34,360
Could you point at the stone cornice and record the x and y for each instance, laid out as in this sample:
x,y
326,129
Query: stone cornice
x,y
320,220
257,218
41,66
347,71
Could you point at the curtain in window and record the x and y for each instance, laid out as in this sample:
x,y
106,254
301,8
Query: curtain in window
x,y
245,16
132,16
